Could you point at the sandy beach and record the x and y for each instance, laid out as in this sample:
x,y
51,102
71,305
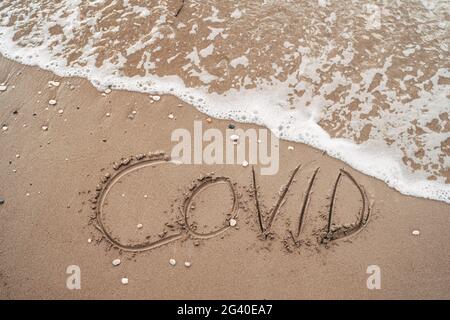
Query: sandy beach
x,y
88,179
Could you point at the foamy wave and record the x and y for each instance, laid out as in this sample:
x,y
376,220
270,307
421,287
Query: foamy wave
x,y
367,83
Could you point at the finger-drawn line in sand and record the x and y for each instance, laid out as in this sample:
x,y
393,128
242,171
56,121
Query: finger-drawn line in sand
x,y
181,8
131,164
364,214
206,182
306,202
265,229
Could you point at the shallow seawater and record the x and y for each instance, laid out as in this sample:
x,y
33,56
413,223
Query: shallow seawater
x,y
367,81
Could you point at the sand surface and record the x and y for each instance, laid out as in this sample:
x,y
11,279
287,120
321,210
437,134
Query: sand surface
x,y
49,180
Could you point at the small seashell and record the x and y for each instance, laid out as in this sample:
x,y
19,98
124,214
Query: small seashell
x,y
108,114
416,232
156,98
124,281
233,222
170,116
116,262
52,102
234,137
54,83
244,163
139,226
172,262
290,148
17,156
4,128
209,120
44,128
3,87
187,264
108,90
89,240
60,111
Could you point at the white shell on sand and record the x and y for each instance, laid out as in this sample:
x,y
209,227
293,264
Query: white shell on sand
x,y
116,262
172,262
416,232
233,222
156,98
290,148
45,128
244,163
139,226
60,111
187,264
170,116
124,280
89,240
234,137
4,128
3,88
52,102
54,83
108,90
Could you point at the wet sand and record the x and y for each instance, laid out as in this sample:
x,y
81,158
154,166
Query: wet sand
x,y
49,178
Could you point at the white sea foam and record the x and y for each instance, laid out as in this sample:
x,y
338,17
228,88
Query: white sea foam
x,y
373,103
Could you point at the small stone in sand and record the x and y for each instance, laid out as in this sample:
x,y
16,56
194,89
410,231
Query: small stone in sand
x,y
60,111
234,137
89,240
108,114
156,98
17,156
170,116
145,196
3,87
416,232
2,200
244,163
290,148
172,262
231,126
139,226
45,128
209,120
233,222
4,128
187,264
116,262
108,90
52,102
54,83
124,280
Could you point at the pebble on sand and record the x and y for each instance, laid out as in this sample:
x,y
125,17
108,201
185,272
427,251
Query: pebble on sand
x,y
170,116
139,226
2,200
89,240
234,137
3,87
244,163
54,83
416,232
187,264
60,111
172,262
233,222
290,148
108,90
52,102
116,262
124,280
4,128
45,128
209,120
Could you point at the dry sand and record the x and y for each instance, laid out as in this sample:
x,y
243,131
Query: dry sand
x,y
48,178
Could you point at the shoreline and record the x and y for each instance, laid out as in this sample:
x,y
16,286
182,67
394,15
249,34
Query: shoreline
x,y
47,217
